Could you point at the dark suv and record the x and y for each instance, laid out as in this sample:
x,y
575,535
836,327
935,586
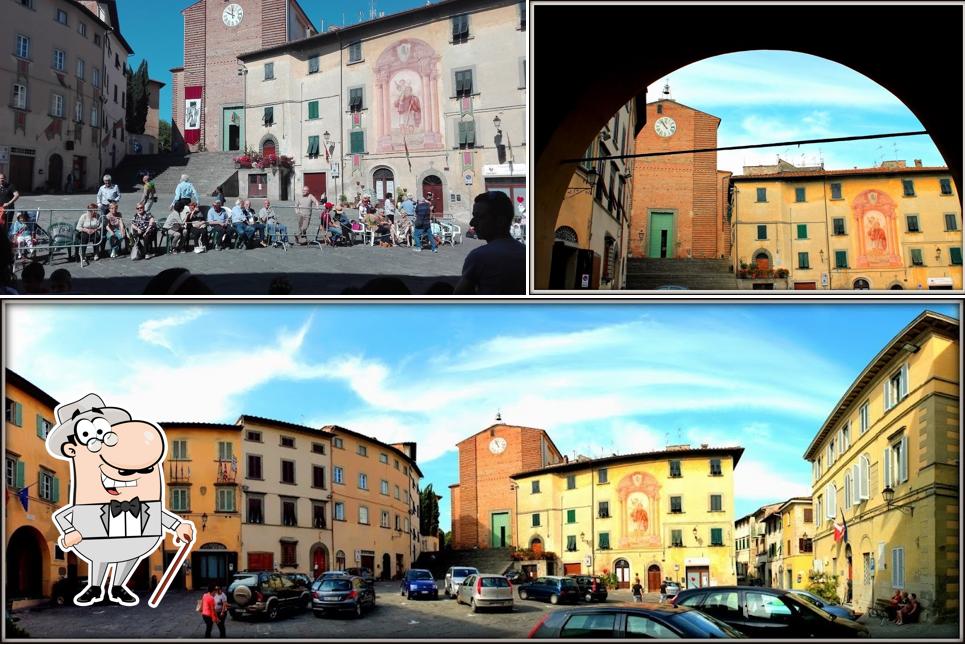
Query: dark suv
x,y
592,588
556,589
265,593
761,612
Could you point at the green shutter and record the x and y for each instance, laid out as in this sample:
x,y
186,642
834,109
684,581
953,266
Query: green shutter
x,y
18,483
570,516
956,254
55,490
18,414
312,146
840,259
916,257
269,117
604,540
40,427
803,261
313,109
716,536
358,141
802,231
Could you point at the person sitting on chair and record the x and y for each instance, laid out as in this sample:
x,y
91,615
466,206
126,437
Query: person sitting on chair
x,y
251,220
383,230
218,225
114,228
88,231
197,230
402,228
276,231
909,610
239,221
143,234
174,225
22,235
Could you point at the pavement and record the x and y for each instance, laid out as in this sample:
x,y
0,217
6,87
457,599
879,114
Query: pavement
x,y
310,271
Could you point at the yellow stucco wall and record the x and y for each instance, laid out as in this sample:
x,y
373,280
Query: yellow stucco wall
x,y
929,419
642,544
891,268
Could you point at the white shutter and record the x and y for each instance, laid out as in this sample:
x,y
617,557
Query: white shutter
x,y
887,394
855,484
903,462
903,386
886,466
865,477
848,485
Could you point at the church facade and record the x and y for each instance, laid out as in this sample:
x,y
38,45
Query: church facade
x,y
679,200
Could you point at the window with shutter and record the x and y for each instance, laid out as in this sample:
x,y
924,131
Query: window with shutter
x,y
838,224
269,117
886,467
836,191
355,99
313,64
799,195
313,109
716,537
903,460
803,260
847,490
313,147
912,222
355,52
464,82
604,541
903,383
357,139
460,28
467,134
916,258
841,259
761,194
865,478
955,253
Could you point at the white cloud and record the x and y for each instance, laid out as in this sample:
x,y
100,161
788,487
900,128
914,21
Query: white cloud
x,y
156,331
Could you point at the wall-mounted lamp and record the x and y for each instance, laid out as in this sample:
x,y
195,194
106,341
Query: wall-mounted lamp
x,y
938,254
889,496
592,176
497,122
204,521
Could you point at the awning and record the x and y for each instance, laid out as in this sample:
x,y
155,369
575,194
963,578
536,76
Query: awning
x,y
940,282
504,170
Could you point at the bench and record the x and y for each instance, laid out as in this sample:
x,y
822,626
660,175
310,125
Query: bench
x,y
883,609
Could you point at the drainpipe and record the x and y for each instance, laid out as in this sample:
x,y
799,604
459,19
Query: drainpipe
x,y
341,115
592,524
827,230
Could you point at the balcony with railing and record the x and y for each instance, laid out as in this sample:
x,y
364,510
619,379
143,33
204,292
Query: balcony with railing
x,y
178,472
227,470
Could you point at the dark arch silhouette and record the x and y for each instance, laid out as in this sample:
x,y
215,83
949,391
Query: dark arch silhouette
x,y
643,44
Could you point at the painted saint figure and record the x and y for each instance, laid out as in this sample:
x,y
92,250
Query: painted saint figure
x,y
408,106
191,116
876,234
638,515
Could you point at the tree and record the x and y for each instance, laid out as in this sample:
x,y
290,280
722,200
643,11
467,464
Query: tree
x,y
164,136
138,95
428,511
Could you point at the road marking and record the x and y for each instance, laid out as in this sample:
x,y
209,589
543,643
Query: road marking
x,y
413,622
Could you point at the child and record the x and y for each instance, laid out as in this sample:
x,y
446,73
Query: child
x,y
22,234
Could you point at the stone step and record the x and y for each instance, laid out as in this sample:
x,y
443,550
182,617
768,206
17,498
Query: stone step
x,y
700,274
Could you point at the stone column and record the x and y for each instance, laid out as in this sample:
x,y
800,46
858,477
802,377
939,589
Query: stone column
x,y
426,105
380,106
434,91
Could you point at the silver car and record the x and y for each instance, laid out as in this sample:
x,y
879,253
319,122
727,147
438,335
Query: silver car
x,y
481,590
454,578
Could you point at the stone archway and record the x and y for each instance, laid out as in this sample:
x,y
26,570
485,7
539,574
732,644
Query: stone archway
x,y
861,283
536,546
572,112
28,564
621,568
762,260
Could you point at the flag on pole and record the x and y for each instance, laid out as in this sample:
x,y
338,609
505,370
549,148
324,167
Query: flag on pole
x,y
406,146
510,146
22,495
841,530
234,464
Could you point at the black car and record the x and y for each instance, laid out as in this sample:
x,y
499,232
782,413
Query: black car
x,y
636,620
555,589
65,589
592,588
761,612
265,593
342,593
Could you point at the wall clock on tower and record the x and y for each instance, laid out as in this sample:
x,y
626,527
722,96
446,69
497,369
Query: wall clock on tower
x,y
665,126
497,445
232,15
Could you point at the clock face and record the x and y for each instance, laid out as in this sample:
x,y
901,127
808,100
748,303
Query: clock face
x,y
497,445
665,126
232,15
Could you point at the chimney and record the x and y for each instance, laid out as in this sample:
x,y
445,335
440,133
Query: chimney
x,y
703,445
917,163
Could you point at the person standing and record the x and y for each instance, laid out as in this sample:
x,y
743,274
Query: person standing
x,y
408,206
107,194
303,209
8,197
220,608
499,268
184,194
208,613
149,196
388,206
423,225
663,590
637,590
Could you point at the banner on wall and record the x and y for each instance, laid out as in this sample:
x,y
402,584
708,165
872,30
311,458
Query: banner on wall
x,y
192,114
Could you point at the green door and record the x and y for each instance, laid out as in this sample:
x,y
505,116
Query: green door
x,y
233,129
661,235
501,530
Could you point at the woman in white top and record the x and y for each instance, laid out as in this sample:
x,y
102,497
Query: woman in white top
x,y
389,207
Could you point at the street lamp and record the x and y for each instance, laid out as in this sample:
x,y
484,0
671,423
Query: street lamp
x,y
889,496
695,533
497,122
591,178
204,521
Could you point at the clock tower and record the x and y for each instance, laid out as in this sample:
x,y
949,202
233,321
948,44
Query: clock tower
x,y
208,92
484,500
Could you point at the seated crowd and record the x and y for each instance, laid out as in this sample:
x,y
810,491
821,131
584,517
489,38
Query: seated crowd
x,y
904,607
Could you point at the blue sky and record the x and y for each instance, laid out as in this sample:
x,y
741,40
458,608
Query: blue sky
x,y
600,378
157,34
768,96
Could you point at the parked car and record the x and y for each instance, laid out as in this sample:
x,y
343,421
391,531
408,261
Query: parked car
x,y
335,573
761,612
636,620
65,589
672,590
362,572
342,593
481,590
454,578
592,588
265,593
833,609
515,576
419,583
555,589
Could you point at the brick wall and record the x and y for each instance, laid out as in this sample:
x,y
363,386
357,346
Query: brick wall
x,y
275,30
685,184
194,57
177,110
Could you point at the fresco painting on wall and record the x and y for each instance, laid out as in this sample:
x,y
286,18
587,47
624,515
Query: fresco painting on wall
x,y
875,215
407,112
639,495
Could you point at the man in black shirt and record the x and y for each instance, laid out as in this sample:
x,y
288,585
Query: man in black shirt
x,y
8,197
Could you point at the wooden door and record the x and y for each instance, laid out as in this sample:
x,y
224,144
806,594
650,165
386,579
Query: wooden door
x,y
319,564
622,570
21,174
808,286
432,185
653,578
761,261
316,184
55,173
661,236
571,568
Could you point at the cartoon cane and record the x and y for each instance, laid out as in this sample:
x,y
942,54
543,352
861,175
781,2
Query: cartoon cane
x,y
168,577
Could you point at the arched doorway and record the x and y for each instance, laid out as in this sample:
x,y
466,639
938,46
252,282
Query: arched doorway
x,y
762,261
269,147
622,570
848,594
896,287
653,578
340,560
386,567
383,182
566,234
432,185
536,546
211,565
27,563
319,560
55,173
579,113
861,283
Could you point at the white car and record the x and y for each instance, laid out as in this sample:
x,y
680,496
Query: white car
x,y
455,577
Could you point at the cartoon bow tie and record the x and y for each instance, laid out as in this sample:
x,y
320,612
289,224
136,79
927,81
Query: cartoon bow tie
x,y
133,507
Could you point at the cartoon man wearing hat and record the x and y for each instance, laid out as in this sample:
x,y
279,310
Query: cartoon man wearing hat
x,y
116,514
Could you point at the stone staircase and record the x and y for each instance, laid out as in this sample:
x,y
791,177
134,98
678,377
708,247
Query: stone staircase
x,y
207,171
486,560
653,273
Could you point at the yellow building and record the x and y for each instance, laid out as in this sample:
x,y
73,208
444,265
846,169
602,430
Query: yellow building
x,y
795,550
375,503
201,474
34,561
591,245
655,515
886,461
891,227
